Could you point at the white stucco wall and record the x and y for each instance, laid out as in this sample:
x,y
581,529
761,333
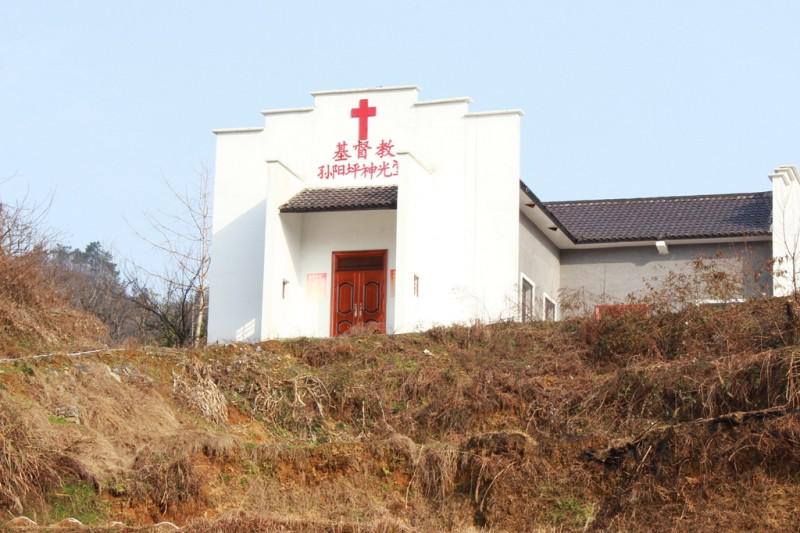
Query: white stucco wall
x,y
456,228
493,151
282,251
237,266
786,229
324,233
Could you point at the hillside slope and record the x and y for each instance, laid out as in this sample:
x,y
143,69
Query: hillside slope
x,y
34,316
681,421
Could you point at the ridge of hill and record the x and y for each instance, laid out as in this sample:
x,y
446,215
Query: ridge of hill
x,y
678,421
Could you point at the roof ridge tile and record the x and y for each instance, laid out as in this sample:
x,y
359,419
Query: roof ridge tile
x,y
661,199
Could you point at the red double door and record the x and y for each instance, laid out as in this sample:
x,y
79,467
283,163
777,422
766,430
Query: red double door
x,y
359,291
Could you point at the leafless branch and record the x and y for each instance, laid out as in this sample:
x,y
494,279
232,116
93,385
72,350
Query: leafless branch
x,y
179,296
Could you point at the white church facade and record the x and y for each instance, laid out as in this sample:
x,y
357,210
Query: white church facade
x,y
374,209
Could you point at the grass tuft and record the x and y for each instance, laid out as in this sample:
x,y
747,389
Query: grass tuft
x,y
76,499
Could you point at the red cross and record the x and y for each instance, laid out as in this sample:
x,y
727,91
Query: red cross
x,y
362,113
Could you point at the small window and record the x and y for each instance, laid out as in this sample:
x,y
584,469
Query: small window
x,y
549,309
349,262
526,307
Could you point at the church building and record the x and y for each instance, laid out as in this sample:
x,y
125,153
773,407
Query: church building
x,y
375,209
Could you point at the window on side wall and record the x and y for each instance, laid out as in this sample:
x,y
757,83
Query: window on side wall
x,y
526,300
550,309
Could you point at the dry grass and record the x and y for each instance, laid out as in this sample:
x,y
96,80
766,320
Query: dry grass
x,y
32,462
676,421
503,413
252,523
435,470
193,385
34,316
166,475
27,467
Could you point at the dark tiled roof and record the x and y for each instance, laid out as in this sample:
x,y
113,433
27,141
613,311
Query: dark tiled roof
x,y
342,199
669,217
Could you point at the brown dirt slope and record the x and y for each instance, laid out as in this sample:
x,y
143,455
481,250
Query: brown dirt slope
x,y
685,421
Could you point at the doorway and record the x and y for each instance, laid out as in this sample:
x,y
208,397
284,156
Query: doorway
x,y
358,294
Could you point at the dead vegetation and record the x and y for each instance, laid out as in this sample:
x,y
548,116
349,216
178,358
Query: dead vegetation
x,y
587,423
33,315
166,473
681,419
249,523
194,386
27,468
32,463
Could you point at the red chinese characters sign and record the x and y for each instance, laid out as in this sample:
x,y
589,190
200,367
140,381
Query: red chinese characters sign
x,y
360,159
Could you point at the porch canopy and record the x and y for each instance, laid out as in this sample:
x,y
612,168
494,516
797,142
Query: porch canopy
x,y
342,199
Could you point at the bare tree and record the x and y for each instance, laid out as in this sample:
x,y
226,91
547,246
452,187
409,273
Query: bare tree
x,y
90,280
177,296
22,225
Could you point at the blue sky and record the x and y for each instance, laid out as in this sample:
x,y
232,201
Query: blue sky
x,y
102,100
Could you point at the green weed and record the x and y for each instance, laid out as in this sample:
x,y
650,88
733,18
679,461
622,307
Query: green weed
x,y
569,511
77,500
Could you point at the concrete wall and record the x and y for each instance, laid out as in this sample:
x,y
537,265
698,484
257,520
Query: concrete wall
x,y
324,233
237,245
431,204
539,260
456,228
786,229
281,252
457,225
493,150
611,274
